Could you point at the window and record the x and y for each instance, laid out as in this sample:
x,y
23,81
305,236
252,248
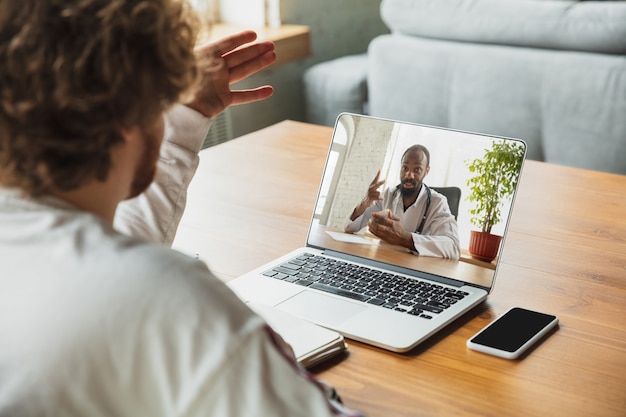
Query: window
x,y
250,13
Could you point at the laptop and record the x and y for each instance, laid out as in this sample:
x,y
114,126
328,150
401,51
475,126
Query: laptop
x,y
369,289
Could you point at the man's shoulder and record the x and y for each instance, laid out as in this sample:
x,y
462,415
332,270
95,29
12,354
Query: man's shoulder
x,y
117,314
436,196
135,337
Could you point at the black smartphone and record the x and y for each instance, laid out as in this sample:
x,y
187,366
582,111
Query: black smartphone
x,y
513,333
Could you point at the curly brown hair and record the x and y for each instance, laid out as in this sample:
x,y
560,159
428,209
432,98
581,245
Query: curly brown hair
x,y
73,73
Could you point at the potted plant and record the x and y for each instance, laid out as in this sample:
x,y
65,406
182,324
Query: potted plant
x,y
494,181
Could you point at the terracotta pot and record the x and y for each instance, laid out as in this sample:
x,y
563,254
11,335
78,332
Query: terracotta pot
x,y
484,246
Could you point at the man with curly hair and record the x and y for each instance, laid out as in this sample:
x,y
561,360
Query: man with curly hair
x,y
104,105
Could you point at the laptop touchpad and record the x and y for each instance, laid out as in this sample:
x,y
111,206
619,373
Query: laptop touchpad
x,y
320,308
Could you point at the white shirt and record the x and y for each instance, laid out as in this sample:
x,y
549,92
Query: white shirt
x,y
94,322
440,236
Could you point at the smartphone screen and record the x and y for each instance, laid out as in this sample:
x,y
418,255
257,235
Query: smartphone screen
x,y
513,333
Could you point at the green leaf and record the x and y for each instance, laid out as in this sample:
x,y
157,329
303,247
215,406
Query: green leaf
x,y
494,181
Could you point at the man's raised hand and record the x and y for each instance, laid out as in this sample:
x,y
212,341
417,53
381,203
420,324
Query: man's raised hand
x,y
225,62
373,192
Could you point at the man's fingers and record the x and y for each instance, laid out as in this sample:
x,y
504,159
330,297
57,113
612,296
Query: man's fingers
x,y
241,61
385,217
249,96
391,216
377,184
379,217
250,60
376,179
377,229
227,44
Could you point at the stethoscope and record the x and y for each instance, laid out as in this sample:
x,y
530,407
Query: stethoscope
x,y
428,197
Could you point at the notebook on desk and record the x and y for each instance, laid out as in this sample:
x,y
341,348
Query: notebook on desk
x,y
353,276
311,344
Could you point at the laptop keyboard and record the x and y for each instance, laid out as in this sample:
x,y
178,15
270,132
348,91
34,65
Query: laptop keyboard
x,y
385,289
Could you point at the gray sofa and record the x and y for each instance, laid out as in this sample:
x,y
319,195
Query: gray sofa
x,y
552,72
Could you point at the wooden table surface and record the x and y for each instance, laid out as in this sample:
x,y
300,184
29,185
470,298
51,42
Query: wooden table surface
x,y
565,254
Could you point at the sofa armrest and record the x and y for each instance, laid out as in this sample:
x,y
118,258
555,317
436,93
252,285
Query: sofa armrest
x,y
335,86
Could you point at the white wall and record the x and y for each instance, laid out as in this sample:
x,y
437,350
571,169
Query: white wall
x,y
338,28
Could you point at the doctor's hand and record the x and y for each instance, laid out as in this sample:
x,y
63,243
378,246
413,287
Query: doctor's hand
x,y
388,228
373,191
373,195
225,62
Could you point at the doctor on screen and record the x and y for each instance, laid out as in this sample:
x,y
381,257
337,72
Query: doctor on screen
x,y
410,214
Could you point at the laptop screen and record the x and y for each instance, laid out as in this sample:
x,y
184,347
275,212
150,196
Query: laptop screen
x,y
416,196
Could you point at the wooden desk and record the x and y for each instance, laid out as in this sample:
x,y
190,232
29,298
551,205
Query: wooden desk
x,y
566,254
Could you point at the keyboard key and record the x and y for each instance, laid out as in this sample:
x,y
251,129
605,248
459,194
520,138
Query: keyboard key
x,y
339,291
426,307
375,301
455,295
285,270
437,304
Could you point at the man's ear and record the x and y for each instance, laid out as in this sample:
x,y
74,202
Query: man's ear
x,y
129,134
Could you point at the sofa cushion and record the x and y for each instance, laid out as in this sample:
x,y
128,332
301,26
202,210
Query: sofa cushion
x,y
591,26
